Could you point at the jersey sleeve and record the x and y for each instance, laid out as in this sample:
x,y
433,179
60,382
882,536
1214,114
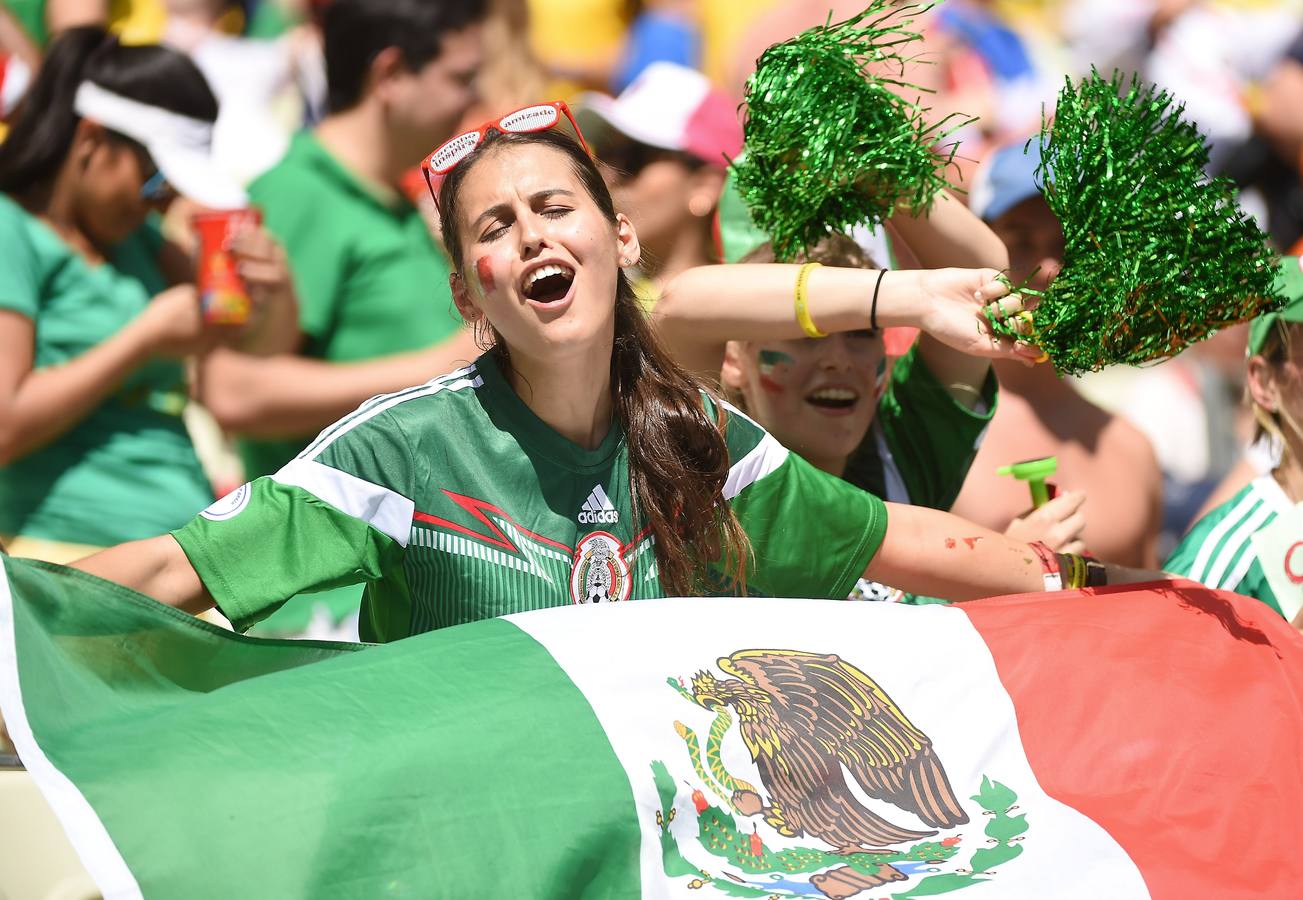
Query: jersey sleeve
x,y
812,534
1181,562
923,441
1210,555
340,513
20,277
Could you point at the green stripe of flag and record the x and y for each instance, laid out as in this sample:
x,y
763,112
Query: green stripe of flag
x,y
430,798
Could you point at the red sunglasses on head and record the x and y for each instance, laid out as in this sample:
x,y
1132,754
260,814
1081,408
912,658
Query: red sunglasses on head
x,y
539,117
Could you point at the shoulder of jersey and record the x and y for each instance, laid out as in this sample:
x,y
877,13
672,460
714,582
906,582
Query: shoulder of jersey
x,y
438,396
457,386
741,432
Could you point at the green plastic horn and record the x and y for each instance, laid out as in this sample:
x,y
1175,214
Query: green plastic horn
x,y
1034,472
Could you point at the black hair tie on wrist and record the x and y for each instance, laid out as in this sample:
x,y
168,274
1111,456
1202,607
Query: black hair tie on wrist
x,y
873,310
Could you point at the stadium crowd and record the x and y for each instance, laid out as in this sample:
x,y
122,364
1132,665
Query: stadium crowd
x,y
127,407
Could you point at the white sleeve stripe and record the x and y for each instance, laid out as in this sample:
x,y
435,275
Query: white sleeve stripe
x,y
764,458
319,446
1198,571
432,386
1237,542
761,460
384,510
1241,570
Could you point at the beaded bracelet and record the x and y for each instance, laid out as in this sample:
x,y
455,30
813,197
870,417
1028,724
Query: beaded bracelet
x,y
802,303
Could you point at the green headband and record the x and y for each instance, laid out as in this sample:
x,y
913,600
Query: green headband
x,y
1289,283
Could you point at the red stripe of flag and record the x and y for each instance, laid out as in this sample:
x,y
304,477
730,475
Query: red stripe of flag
x,y
1180,731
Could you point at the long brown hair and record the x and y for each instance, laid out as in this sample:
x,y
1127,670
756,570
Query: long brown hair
x,y
678,458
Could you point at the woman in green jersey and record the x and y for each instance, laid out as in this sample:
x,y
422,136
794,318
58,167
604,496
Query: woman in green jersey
x,y
908,432
1253,543
574,461
97,309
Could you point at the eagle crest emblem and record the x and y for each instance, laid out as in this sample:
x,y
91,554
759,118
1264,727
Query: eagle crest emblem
x,y
821,735
600,573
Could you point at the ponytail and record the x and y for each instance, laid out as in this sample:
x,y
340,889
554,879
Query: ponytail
x,y
46,122
678,457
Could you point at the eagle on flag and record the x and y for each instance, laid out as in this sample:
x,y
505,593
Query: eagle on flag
x,y
804,716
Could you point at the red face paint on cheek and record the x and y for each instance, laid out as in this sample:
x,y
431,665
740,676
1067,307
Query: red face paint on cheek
x,y
484,269
773,362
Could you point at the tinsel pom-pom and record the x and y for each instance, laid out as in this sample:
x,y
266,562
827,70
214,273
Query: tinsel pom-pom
x,y
1157,255
831,141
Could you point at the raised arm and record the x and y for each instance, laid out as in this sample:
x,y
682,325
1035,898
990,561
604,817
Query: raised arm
x,y
949,235
938,554
706,307
157,568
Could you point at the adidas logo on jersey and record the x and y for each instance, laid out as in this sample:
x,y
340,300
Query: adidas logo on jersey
x,y
597,509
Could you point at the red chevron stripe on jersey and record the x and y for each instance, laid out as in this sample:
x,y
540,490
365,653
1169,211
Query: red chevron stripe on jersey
x,y
496,538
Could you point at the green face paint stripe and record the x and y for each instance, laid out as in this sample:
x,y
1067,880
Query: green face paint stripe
x,y
771,358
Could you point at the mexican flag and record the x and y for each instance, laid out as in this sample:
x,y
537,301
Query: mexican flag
x,y
1120,743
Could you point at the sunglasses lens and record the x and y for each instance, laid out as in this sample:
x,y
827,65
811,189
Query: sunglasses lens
x,y
156,188
532,118
453,152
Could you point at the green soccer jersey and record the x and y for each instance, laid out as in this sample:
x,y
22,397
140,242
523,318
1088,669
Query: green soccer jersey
x,y
1218,551
453,502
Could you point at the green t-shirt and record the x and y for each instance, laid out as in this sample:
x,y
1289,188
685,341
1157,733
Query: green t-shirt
x,y
370,279
919,449
31,15
1218,552
922,441
128,470
454,502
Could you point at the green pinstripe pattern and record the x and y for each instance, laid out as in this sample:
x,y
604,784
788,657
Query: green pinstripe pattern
x,y
1218,551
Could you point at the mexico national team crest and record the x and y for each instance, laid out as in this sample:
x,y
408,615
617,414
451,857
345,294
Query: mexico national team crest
x,y
600,574
849,794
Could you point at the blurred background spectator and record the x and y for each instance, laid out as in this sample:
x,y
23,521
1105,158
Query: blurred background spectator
x,y
97,308
664,144
1040,414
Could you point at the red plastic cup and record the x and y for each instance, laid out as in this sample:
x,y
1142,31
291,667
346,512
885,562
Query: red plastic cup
x,y
223,296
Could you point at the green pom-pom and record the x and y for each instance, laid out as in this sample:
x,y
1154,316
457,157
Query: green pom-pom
x,y
1157,256
830,143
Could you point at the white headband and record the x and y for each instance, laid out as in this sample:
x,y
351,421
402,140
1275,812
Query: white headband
x,y
139,121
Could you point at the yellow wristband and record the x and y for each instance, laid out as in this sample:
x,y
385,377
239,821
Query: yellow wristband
x,y
1077,577
802,303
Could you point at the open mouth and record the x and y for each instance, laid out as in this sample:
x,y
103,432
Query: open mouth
x,y
833,398
548,284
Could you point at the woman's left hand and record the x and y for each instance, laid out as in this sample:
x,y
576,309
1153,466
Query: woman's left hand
x,y
956,304
263,266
